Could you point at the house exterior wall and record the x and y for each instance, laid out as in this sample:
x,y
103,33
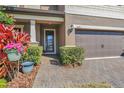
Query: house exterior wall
x,y
61,34
32,6
109,11
26,26
27,29
40,7
92,15
88,20
92,20
69,37
106,16
45,7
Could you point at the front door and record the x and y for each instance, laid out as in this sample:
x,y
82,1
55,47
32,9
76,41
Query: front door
x,y
49,41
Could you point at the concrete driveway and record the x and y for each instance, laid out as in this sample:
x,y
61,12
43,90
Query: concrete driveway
x,y
51,74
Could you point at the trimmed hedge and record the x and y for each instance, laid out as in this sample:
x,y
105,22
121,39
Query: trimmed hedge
x,y
71,55
33,54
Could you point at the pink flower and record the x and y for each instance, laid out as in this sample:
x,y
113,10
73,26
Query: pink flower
x,y
17,46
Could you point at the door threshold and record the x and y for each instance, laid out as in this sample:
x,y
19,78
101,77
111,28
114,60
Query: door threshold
x,y
49,53
94,58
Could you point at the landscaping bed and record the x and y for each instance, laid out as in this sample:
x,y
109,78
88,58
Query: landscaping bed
x,y
24,80
19,60
72,65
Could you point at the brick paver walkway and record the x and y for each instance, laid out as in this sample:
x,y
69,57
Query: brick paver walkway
x,y
52,74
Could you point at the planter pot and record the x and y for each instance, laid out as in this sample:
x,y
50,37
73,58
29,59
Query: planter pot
x,y
13,56
27,67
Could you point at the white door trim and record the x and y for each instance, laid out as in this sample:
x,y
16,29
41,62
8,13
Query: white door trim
x,y
54,40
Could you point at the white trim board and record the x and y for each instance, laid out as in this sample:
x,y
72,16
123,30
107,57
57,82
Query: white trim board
x,y
96,58
33,17
97,27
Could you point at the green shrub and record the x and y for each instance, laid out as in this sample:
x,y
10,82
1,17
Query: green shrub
x,y
70,55
6,19
33,54
3,83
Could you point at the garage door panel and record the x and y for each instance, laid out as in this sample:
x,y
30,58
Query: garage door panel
x,y
98,44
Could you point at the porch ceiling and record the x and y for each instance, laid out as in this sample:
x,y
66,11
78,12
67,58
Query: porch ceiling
x,y
42,18
48,22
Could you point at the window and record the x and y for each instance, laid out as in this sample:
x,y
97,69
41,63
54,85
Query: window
x,y
44,7
19,28
49,7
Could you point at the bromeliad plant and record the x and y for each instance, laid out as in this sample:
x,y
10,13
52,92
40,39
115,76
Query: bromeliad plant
x,y
14,51
11,41
6,19
17,47
6,37
9,38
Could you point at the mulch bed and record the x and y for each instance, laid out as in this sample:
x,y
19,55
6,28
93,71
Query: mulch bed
x,y
72,65
24,80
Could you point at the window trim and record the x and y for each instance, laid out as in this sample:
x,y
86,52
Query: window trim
x,y
20,26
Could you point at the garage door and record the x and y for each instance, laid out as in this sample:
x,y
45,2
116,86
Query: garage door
x,y
100,43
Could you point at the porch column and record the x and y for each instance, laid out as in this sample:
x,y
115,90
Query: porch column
x,y
33,31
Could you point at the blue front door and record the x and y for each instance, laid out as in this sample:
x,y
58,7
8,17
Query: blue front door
x,y
49,41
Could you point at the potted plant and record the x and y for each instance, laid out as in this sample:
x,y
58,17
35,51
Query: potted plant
x,y
13,51
27,66
27,63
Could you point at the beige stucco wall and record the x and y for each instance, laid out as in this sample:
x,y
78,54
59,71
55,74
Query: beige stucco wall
x,y
69,37
92,20
61,34
87,20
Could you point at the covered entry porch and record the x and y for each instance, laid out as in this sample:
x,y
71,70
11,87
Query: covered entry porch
x,y
46,31
51,37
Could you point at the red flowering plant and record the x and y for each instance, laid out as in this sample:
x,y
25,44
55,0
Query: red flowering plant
x,y
10,39
5,37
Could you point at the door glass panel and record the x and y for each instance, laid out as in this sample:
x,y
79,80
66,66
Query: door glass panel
x,y
49,41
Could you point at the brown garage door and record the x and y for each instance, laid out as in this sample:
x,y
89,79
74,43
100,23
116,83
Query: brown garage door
x,y
100,43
